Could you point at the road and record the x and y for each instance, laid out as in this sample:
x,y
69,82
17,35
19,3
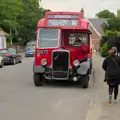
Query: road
x,y
21,100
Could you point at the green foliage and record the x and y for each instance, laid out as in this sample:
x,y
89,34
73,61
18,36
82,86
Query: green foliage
x,y
110,39
9,11
104,39
105,14
19,18
111,31
113,24
104,50
107,35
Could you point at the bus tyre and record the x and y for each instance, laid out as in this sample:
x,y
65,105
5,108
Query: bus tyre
x,y
85,81
38,81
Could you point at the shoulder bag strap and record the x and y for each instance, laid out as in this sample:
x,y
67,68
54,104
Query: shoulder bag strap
x,y
116,63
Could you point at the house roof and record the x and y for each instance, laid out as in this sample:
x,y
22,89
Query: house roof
x,y
96,24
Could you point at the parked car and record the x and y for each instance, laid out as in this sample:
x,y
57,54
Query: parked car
x,y
29,52
1,62
10,56
30,49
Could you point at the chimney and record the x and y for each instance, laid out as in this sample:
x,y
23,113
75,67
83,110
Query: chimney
x,y
82,11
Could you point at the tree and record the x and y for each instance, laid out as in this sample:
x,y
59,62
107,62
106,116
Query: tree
x,y
111,31
9,10
111,38
104,39
19,18
104,50
113,24
32,13
105,14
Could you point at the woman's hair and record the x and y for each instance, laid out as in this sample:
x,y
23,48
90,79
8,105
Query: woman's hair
x,y
114,48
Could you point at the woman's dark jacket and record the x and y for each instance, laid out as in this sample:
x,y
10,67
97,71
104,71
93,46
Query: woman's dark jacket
x,y
112,72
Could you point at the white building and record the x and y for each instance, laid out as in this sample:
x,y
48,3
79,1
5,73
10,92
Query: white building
x,y
3,37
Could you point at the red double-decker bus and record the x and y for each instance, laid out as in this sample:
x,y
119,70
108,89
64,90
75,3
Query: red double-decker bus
x,y
62,48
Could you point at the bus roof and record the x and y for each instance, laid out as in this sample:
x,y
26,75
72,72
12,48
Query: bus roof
x,y
64,20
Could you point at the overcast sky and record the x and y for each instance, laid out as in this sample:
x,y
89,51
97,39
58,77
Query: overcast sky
x,y
91,7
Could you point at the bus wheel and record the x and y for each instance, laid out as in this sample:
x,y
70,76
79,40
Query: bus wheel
x,y
85,81
38,79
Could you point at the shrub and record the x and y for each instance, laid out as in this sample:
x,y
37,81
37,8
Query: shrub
x,y
104,50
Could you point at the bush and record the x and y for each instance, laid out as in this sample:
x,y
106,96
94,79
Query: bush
x,y
104,39
104,50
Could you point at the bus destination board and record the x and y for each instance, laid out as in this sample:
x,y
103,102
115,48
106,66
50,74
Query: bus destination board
x,y
62,20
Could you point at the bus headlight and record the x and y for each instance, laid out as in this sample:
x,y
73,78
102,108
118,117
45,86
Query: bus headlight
x,y
76,63
43,62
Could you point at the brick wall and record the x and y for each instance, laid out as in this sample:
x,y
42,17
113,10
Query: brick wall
x,y
95,40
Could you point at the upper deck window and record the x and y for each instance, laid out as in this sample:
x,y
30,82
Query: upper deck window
x,y
48,37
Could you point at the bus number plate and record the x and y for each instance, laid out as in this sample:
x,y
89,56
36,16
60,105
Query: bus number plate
x,y
43,51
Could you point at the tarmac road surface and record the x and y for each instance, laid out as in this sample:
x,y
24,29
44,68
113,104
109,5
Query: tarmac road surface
x,y
58,100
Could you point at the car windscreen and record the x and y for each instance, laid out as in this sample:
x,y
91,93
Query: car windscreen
x,y
11,50
30,48
47,37
3,52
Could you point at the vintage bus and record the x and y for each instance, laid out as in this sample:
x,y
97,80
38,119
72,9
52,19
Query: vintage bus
x,y
62,48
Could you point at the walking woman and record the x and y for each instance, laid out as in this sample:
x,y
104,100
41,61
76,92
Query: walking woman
x,y
111,65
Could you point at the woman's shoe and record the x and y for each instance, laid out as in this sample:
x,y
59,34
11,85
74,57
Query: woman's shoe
x,y
116,101
110,100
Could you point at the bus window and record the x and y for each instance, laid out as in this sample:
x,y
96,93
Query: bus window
x,y
71,39
48,37
77,39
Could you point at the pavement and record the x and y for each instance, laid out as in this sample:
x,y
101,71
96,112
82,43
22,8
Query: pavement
x,y
100,108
